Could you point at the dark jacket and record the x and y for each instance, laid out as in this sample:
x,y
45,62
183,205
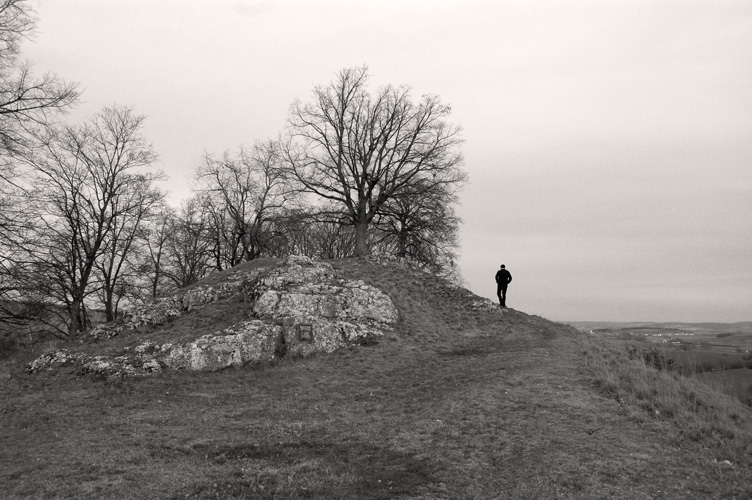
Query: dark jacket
x,y
503,277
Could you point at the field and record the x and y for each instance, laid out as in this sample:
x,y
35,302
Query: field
x,y
733,338
456,403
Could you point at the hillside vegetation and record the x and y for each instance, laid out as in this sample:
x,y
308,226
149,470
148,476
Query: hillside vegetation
x,y
457,402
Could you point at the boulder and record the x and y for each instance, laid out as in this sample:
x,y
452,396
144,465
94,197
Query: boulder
x,y
153,313
49,360
352,301
250,341
304,293
325,336
296,270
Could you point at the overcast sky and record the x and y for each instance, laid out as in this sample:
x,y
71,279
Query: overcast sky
x,y
608,143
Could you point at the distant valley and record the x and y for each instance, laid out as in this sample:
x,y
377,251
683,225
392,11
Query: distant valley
x,y
719,354
716,337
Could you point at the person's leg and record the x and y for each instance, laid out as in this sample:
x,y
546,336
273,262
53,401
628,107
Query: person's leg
x,y
503,297
498,294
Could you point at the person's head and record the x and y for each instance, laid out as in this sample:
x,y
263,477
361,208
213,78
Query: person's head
x,y
503,266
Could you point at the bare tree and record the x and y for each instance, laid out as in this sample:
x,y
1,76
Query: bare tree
x,y
313,231
25,101
188,248
155,236
358,149
17,21
243,194
81,180
19,295
420,225
132,206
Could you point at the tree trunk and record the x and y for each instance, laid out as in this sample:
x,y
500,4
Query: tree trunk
x,y
108,309
361,245
84,322
402,245
78,321
117,302
74,318
155,282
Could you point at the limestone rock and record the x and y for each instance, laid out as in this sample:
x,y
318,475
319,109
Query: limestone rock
x,y
104,332
327,336
250,341
61,357
200,296
302,287
296,270
309,293
352,301
154,313
481,304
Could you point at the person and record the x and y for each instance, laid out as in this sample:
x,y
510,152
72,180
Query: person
x,y
503,278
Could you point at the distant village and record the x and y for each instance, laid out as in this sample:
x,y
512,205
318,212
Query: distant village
x,y
644,332
670,337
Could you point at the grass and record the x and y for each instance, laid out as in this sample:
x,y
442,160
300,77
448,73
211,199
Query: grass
x,y
717,423
697,361
735,382
723,372
456,403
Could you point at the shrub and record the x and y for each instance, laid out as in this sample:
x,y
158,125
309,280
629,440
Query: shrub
x,y
652,357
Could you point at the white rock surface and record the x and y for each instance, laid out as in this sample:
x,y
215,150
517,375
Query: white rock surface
x,y
250,341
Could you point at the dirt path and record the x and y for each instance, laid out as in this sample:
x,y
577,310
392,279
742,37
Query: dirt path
x,y
513,417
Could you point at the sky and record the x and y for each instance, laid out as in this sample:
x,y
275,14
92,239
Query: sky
x,y
608,143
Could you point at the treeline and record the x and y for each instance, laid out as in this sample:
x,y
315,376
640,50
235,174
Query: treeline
x,y
84,224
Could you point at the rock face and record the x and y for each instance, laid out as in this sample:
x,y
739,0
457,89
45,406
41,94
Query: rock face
x,y
300,308
250,341
306,293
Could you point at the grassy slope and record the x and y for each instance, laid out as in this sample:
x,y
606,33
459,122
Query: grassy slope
x,y
454,404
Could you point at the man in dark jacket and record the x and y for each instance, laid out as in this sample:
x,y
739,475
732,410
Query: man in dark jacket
x,y
503,278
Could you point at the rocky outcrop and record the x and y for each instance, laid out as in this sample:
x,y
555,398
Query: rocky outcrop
x,y
306,288
300,308
247,342
61,357
336,312
166,309
352,301
250,341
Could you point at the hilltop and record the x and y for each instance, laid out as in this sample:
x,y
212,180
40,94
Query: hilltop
x,y
454,398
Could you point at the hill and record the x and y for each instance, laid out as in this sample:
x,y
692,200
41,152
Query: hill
x,y
457,400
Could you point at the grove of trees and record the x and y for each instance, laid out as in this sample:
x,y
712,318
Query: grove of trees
x,y
84,225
